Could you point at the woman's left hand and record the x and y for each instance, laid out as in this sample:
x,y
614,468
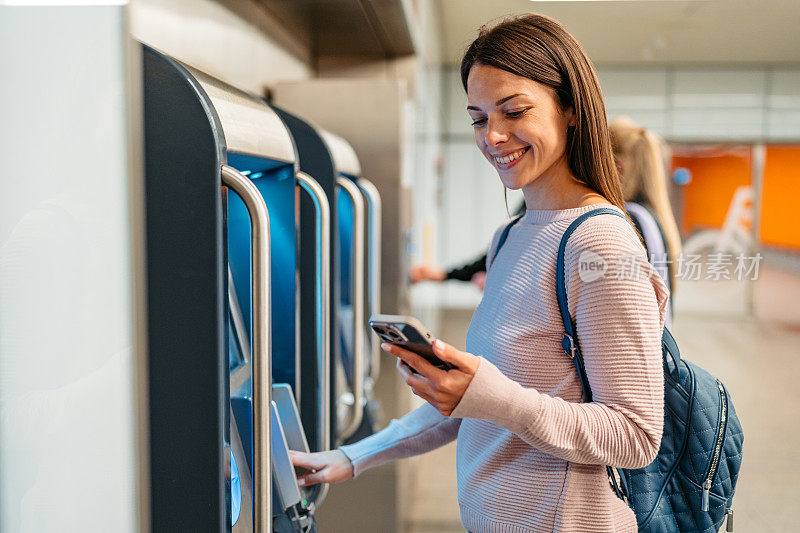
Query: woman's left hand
x,y
442,389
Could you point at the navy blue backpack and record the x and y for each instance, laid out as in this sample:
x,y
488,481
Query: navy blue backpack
x,y
689,486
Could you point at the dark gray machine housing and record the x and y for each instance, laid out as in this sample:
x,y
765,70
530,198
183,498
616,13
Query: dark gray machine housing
x,y
188,425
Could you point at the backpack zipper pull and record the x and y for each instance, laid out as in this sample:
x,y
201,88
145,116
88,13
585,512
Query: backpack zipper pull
x,y
706,490
729,521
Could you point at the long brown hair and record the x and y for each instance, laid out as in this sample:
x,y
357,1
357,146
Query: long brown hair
x,y
539,48
641,156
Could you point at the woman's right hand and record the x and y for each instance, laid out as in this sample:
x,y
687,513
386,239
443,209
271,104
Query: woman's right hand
x,y
326,467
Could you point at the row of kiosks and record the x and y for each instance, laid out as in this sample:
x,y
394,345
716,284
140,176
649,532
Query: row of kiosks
x,y
263,262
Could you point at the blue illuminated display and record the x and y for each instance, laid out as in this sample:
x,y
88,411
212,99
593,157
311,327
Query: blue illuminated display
x,y
236,492
345,215
277,186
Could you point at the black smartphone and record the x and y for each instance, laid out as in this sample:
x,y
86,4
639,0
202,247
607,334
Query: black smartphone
x,y
408,332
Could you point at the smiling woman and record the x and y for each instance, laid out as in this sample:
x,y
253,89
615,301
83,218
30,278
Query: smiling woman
x,y
531,450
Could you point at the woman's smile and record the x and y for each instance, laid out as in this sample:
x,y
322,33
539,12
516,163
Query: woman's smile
x,y
509,159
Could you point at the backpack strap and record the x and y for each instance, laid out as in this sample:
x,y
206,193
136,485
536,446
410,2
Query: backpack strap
x,y
568,342
504,236
670,352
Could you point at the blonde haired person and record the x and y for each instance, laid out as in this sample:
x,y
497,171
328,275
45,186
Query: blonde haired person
x,y
532,454
639,155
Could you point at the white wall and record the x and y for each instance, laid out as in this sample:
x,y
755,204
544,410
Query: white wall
x,y
214,39
68,354
713,103
426,155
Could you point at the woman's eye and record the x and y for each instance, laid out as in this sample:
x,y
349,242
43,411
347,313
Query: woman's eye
x,y
515,114
478,122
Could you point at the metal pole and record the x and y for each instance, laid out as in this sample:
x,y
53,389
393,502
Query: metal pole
x,y
262,345
758,159
375,241
357,298
323,274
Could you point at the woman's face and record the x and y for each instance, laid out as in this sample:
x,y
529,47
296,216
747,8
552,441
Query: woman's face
x,y
519,125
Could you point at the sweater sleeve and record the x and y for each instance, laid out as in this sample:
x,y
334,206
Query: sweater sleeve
x,y
619,318
420,431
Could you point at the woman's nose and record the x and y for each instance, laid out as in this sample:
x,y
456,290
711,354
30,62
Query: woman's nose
x,y
495,134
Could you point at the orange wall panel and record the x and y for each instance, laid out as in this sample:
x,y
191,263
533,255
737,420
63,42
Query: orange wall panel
x,y
714,180
780,216
715,177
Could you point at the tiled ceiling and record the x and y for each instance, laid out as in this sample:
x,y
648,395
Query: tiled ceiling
x,y
641,32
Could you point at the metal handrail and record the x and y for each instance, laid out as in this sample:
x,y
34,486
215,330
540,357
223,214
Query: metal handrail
x,y
262,345
375,243
323,274
357,297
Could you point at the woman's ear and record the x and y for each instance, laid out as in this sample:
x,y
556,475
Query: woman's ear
x,y
570,114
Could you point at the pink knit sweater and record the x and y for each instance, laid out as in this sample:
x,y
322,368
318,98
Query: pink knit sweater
x,y
530,454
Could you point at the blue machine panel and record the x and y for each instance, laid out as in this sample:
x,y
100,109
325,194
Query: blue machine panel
x,y
345,231
277,186
344,208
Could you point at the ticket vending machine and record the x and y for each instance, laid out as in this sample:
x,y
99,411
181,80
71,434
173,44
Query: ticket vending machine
x,y
358,225
221,244
318,348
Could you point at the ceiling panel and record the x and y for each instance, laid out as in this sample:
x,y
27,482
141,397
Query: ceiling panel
x,y
647,31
